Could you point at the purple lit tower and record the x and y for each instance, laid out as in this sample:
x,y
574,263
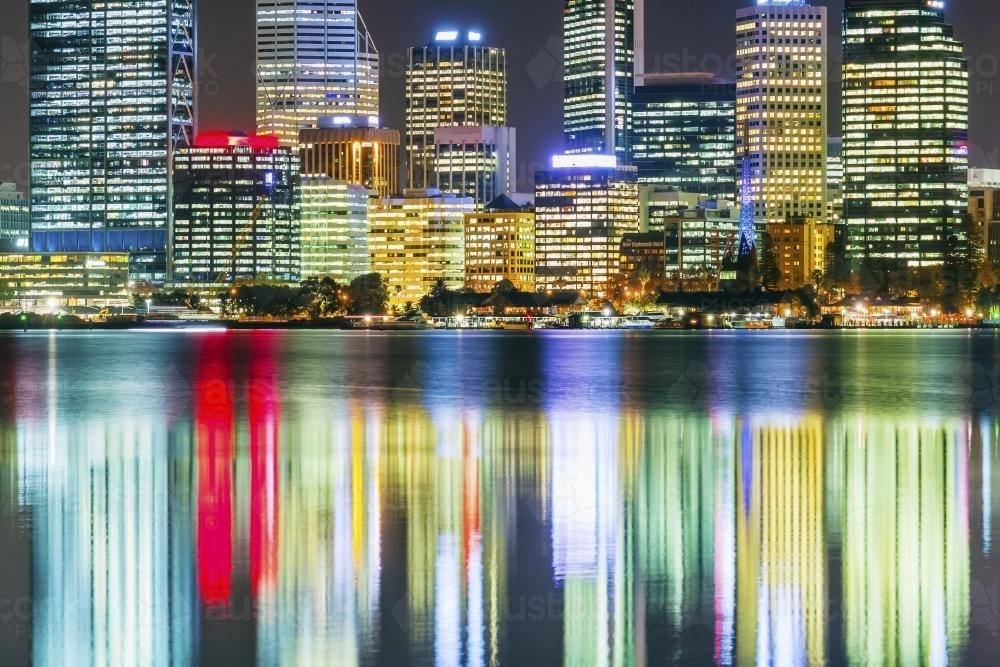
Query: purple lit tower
x,y
739,268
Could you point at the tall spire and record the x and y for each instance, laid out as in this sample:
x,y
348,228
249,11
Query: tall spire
x,y
748,243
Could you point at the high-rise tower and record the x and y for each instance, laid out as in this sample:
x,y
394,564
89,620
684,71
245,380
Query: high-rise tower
x,y
906,120
112,99
314,58
454,81
599,39
781,96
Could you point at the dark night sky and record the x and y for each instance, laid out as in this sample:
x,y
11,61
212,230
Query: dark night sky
x,y
700,34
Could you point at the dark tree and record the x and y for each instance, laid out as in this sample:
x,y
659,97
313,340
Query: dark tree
x,y
369,295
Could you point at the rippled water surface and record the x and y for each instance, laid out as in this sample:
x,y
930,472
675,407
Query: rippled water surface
x,y
543,498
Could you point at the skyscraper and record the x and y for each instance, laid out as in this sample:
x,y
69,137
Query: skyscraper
x,y
455,80
112,98
314,58
781,95
600,63
683,133
906,119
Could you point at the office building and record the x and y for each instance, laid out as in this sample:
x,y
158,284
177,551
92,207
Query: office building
x,y
475,161
584,206
697,240
984,213
643,252
906,130
349,149
781,107
500,245
657,203
334,238
314,58
236,210
456,80
15,219
799,249
599,63
683,133
415,240
39,280
834,180
103,135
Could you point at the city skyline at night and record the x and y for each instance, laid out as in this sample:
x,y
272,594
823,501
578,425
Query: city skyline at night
x,y
227,85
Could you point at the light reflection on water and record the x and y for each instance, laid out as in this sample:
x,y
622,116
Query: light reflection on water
x,y
324,499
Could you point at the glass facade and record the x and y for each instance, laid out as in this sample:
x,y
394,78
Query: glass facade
x,y
906,120
451,82
581,215
112,99
697,240
684,135
599,63
416,240
15,218
781,96
68,278
334,229
477,162
314,58
236,212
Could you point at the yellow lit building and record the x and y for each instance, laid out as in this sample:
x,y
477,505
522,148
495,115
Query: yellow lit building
x,y
781,95
365,156
584,206
73,279
417,239
500,245
456,80
799,248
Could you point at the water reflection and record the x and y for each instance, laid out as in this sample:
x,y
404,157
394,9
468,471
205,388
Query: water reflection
x,y
340,529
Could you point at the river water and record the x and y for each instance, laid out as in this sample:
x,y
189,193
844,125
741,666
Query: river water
x,y
490,498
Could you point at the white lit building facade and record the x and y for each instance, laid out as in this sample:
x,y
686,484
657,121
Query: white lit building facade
x,y
475,161
236,210
683,133
314,58
334,229
15,218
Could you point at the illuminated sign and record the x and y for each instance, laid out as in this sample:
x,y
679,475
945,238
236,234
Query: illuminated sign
x,y
446,36
475,36
587,161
